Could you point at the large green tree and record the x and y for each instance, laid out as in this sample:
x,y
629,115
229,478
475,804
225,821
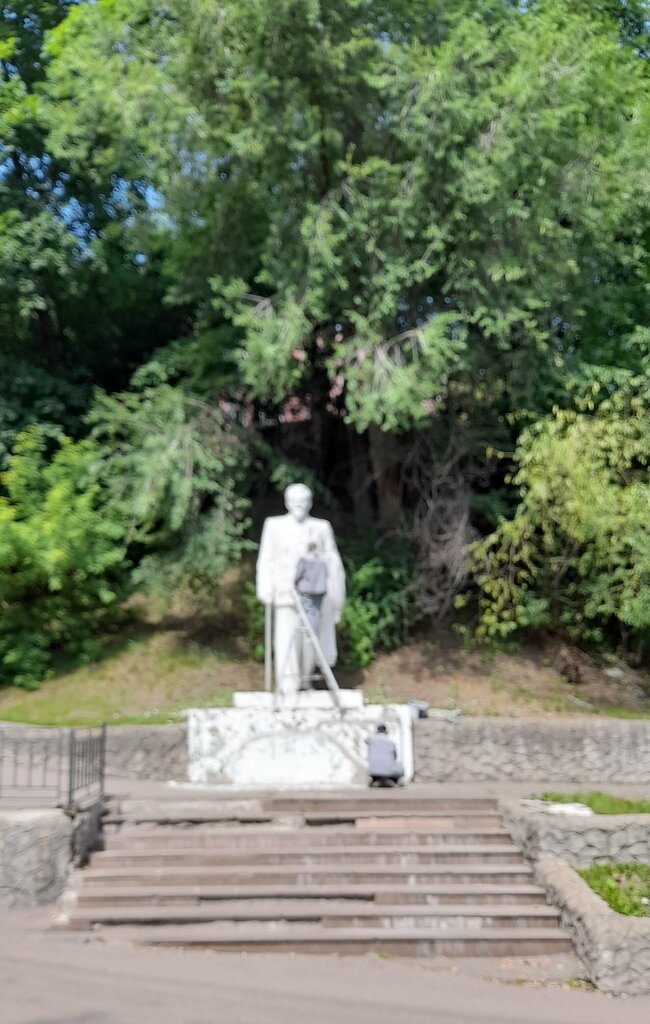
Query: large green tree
x,y
76,305
388,197
417,227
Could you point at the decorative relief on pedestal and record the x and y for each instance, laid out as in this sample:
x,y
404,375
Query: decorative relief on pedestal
x,y
291,747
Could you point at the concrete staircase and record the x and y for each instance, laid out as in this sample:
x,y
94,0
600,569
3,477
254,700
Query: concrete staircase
x,y
344,873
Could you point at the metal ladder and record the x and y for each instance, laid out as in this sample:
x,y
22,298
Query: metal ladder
x,y
304,627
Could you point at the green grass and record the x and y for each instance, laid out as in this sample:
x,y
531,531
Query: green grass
x,y
623,713
147,680
54,713
378,694
625,887
600,803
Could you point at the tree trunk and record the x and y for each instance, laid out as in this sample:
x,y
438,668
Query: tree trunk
x,y
385,458
360,477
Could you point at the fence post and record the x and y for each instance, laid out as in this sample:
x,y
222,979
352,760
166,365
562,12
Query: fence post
x,y
72,756
102,767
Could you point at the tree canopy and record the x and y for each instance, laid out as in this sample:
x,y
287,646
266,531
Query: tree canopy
x,y
400,245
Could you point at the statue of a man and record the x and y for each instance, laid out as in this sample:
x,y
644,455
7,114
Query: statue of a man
x,y
285,540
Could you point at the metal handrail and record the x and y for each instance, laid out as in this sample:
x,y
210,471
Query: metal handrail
x,y
52,767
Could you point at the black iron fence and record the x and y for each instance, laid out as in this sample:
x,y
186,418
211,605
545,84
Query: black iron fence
x,y
52,767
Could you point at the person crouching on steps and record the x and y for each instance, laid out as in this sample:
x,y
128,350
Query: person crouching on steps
x,y
384,767
311,584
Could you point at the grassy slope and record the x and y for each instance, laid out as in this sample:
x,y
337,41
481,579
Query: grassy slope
x,y
158,665
145,676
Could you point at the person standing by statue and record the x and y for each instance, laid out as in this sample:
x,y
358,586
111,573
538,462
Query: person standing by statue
x,y
285,541
311,584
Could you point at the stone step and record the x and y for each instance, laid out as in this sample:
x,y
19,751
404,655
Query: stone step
x,y
350,855
434,895
346,874
297,839
390,818
395,801
328,913
337,872
171,815
297,937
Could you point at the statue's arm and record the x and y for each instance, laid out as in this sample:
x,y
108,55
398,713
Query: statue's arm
x,y
265,574
335,572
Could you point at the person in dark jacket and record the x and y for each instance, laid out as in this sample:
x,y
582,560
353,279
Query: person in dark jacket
x,y
311,584
384,766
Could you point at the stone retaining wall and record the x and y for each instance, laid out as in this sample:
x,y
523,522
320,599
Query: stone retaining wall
x,y
37,848
581,841
615,949
557,750
34,856
468,750
147,751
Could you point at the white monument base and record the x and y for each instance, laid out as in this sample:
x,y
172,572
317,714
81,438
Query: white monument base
x,y
320,699
291,747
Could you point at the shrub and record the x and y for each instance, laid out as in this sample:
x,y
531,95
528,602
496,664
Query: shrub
x,y
61,556
575,557
380,606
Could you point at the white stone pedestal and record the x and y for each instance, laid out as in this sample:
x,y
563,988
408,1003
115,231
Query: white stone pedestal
x,y
291,747
301,701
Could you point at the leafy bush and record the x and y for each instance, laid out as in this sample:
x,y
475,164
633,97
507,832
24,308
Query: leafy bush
x,y
576,555
380,606
61,556
254,612
149,500
29,395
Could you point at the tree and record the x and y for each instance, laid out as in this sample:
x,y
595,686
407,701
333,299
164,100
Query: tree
x,y
371,218
75,301
410,226
172,469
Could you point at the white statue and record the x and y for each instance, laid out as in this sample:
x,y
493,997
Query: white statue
x,y
285,540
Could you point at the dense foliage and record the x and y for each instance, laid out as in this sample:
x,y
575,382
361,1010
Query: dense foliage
x,y
576,554
403,244
61,555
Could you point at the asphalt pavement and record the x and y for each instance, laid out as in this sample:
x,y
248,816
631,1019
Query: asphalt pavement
x,y
60,978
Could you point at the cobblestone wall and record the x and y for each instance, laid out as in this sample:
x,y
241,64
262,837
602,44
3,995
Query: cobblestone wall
x,y
615,949
470,749
147,751
474,749
596,839
34,856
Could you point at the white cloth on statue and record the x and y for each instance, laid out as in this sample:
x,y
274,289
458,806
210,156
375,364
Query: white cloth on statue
x,y
284,541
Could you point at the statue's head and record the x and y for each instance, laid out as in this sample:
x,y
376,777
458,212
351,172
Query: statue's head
x,y
298,501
